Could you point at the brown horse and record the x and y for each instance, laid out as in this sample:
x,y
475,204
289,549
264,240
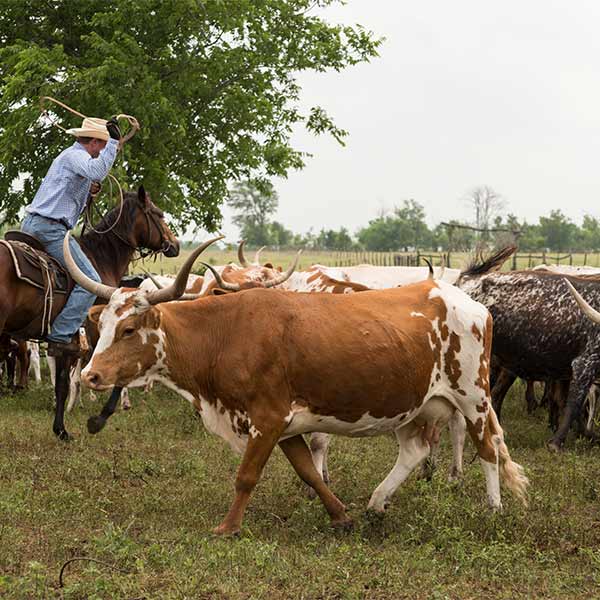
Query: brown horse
x,y
110,246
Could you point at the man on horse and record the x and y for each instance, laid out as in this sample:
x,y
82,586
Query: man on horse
x,y
56,208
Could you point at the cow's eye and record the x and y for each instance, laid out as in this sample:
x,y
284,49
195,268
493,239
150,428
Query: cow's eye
x,y
128,331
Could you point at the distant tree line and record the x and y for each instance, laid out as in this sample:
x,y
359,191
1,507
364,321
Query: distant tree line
x,y
405,229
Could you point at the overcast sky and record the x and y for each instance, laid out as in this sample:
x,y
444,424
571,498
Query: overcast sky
x,y
464,93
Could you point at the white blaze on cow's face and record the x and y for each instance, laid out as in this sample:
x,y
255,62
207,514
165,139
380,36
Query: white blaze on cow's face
x,y
131,346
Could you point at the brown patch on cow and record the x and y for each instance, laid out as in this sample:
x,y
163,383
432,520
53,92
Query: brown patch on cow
x,y
475,331
451,362
444,331
483,407
483,378
127,305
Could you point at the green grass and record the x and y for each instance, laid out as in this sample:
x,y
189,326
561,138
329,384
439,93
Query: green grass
x,y
144,494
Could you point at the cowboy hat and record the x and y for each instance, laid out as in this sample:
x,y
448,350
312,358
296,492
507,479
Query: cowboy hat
x,y
91,127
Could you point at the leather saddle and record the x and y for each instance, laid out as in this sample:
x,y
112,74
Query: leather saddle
x,y
33,265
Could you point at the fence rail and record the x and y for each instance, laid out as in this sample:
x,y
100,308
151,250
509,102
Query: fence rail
x,y
523,260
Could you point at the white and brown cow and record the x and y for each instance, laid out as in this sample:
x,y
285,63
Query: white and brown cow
x,y
417,355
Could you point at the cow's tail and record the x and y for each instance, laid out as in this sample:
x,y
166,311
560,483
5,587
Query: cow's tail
x,y
512,473
482,265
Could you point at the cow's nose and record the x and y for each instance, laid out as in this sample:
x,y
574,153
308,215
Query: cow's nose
x,y
91,379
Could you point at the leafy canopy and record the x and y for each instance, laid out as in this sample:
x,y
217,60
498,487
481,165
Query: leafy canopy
x,y
212,82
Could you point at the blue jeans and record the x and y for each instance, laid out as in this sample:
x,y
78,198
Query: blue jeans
x,y
51,234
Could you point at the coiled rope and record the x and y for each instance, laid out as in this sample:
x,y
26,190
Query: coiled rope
x,y
134,127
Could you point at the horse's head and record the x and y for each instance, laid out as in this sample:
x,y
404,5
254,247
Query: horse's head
x,y
148,228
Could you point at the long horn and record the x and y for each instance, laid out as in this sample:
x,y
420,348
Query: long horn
x,y
154,280
589,312
98,289
442,268
430,274
257,255
284,276
176,290
241,256
231,287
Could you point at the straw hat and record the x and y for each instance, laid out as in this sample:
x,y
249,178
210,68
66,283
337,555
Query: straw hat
x,y
91,127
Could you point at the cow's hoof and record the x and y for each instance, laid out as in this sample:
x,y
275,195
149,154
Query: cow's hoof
x,y
224,530
375,514
455,475
344,523
553,446
96,424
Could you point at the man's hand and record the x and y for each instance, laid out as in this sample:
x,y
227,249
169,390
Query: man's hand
x,y
113,129
95,188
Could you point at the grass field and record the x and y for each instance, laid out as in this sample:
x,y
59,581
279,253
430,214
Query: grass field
x,y
143,495
284,258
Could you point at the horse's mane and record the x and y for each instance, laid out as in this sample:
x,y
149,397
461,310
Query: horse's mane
x,y
104,247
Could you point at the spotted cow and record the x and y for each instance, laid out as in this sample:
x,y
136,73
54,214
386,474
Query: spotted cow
x,y
261,368
539,334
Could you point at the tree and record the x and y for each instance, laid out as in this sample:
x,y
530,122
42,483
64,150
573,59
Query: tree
x,y
412,229
557,230
254,202
487,205
213,84
405,229
589,234
280,236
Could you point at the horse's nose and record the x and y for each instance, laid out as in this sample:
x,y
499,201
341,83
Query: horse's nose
x,y
91,379
172,249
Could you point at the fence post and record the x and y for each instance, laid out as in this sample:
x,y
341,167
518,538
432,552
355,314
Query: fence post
x,y
571,259
514,262
544,256
584,259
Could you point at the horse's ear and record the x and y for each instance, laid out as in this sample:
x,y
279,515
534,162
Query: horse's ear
x,y
142,194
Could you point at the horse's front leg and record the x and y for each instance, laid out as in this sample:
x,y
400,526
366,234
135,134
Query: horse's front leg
x,y
61,390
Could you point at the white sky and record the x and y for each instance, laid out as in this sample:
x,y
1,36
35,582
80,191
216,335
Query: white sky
x,y
464,93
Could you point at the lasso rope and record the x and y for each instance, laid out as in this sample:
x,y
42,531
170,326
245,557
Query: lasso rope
x,y
135,126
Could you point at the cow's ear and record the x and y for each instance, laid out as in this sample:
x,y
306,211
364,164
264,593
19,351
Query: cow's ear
x,y
94,314
268,265
218,292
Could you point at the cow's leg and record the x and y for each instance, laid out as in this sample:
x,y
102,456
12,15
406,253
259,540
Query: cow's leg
x,y
530,397
298,454
255,457
52,368
547,392
556,399
23,361
458,429
319,445
488,437
584,373
503,383
429,465
591,407
11,369
75,387
34,366
125,403
61,390
412,449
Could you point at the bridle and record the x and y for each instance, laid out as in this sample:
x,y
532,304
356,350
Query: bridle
x,y
152,220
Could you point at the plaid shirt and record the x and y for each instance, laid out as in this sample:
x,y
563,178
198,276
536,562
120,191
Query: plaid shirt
x,y
64,190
